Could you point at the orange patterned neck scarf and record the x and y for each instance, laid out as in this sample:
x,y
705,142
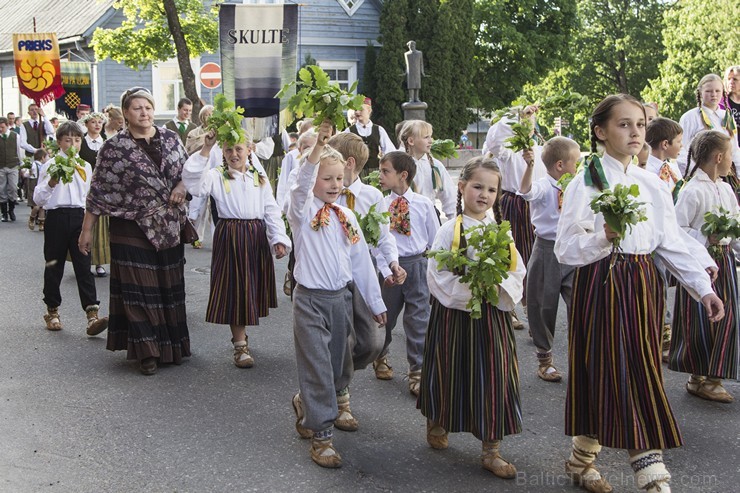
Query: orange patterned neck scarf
x,y
323,217
400,218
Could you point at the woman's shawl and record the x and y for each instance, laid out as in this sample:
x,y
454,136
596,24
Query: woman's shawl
x,y
127,184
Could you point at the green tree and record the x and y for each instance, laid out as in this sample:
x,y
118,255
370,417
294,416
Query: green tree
x,y
390,65
617,46
368,87
155,31
518,41
449,65
699,38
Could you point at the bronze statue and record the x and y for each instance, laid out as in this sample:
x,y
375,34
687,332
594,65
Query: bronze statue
x,y
414,71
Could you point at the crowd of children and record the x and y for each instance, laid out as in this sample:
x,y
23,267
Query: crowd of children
x,y
348,293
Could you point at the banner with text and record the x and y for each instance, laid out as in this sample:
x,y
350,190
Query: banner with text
x,y
77,83
259,45
36,57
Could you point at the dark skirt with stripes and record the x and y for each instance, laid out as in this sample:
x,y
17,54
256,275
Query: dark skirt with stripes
x,y
699,346
242,273
147,297
516,210
470,374
615,385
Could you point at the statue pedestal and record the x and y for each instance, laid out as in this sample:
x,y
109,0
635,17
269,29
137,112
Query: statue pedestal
x,y
414,110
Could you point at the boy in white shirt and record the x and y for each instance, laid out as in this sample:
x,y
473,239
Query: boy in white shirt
x,y
548,279
330,253
413,224
664,136
65,209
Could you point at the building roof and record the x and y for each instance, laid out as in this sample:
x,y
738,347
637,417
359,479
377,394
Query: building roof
x,y
68,18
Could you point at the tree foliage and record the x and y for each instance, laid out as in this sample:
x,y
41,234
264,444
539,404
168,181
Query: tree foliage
x,y
699,38
368,86
390,65
618,45
146,36
518,41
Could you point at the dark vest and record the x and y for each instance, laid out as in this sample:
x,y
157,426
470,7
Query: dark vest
x,y
372,142
34,137
9,151
88,154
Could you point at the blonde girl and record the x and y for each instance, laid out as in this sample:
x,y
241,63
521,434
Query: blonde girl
x,y
432,179
249,230
470,377
708,116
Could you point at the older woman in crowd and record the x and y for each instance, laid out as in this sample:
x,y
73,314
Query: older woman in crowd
x,y
137,182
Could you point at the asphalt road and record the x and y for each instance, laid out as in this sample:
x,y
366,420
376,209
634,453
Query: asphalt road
x,y
77,418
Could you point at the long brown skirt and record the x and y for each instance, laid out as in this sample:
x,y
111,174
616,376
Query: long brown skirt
x,y
147,297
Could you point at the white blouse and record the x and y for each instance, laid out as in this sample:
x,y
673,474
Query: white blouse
x,y
702,195
365,197
512,164
244,200
447,193
691,122
446,286
581,239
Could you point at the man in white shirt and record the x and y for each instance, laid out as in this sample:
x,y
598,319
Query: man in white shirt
x,y
35,130
10,160
181,124
375,137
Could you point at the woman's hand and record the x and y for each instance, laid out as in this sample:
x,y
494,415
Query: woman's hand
x,y
177,197
713,273
84,242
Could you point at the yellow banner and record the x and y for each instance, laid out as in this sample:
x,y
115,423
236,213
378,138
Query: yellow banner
x,y
37,66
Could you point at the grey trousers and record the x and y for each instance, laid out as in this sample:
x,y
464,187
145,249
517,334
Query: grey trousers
x,y
9,184
547,281
413,298
322,322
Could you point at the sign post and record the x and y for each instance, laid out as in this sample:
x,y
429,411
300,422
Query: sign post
x,y
210,75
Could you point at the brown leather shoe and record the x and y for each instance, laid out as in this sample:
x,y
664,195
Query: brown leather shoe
x,y
148,366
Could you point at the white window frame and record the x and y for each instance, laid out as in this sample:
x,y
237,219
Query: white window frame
x,y
156,89
356,4
349,65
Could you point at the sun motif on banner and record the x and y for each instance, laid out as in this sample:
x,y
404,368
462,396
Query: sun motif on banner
x,y
36,74
72,99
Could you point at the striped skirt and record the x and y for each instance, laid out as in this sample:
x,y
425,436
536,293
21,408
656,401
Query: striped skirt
x,y
101,242
615,385
470,374
242,273
699,346
147,297
516,210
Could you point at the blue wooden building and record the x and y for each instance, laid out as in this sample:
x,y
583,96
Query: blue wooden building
x,y
334,32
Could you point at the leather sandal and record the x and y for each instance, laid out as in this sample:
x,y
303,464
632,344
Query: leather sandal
x,y
549,373
345,420
415,382
709,389
324,454
600,485
436,436
242,357
298,410
489,459
383,371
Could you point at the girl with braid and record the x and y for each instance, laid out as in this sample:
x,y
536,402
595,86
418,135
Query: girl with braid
x,y
432,179
615,395
470,375
709,116
707,350
250,229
